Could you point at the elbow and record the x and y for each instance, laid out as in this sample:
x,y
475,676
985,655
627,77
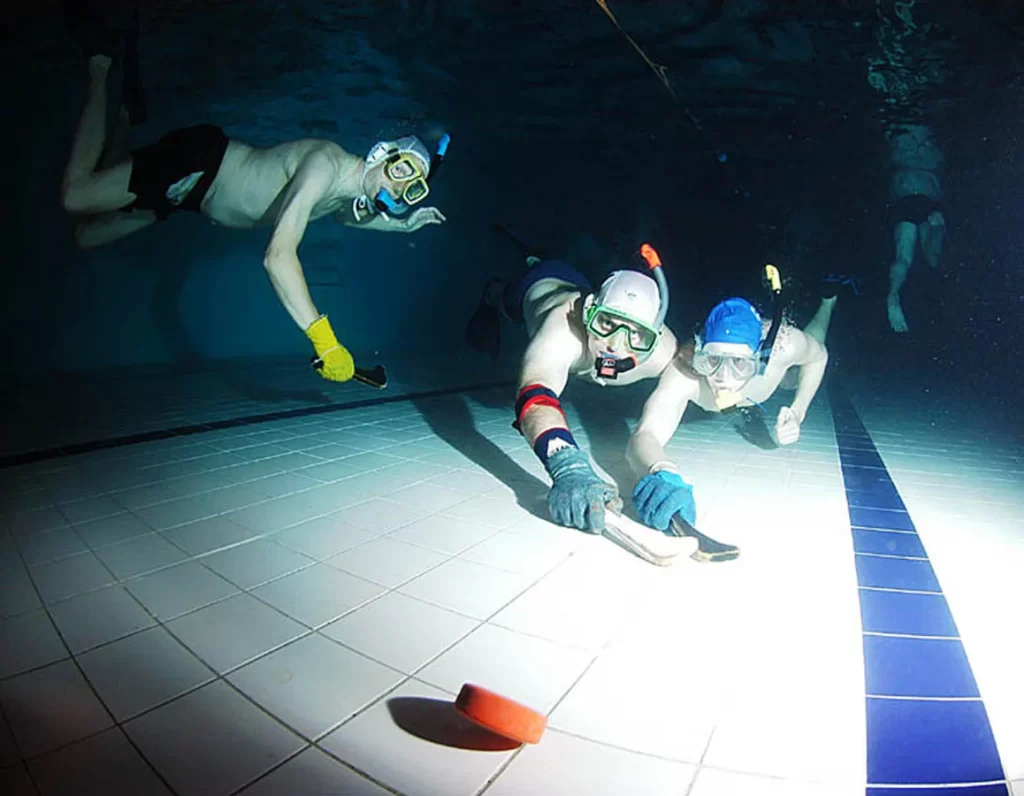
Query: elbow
x,y
274,258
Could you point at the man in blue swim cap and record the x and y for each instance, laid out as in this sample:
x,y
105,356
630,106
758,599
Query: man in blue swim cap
x,y
731,366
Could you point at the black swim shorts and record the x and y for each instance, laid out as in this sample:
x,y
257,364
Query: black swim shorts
x,y
913,209
176,172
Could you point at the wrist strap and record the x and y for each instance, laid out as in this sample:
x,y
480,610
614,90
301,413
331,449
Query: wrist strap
x,y
550,442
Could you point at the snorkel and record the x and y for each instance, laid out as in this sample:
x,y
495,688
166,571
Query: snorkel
x,y
775,285
608,365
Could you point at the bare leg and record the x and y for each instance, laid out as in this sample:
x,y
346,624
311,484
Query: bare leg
x,y
906,239
103,228
117,141
818,325
933,233
86,190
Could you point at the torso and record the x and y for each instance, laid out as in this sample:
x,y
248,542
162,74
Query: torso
x,y
251,182
915,182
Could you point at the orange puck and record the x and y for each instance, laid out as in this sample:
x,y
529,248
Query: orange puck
x,y
500,714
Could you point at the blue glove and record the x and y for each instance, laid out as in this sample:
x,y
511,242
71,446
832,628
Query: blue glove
x,y
658,497
578,496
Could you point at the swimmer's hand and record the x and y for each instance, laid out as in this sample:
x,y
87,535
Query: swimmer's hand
x,y
577,498
423,216
332,361
787,426
658,497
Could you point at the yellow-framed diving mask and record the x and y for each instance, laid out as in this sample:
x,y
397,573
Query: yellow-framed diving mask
x,y
403,169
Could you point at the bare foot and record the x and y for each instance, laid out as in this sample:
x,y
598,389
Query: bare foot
x,y
99,65
896,318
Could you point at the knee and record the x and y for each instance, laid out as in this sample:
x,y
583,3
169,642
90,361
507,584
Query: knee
x,y
71,198
81,235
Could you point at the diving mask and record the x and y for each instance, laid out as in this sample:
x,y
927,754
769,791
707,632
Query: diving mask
x,y
402,169
604,322
408,166
739,367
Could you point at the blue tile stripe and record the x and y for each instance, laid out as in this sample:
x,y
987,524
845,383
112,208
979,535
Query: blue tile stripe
x,y
928,731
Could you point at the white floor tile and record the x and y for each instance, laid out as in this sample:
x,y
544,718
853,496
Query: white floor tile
x,y
323,537
571,605
483,510
517,552
28,641
104,763
111,529
234,631
205,536
36,520
712,782
387,561
529,670
443,534
314,684
179,589
43,546
416,631
51,707
17,591
139,555
59,580
89,509
318,594
211,741
274,515
467,588
375,742
98,617
657,704
142,671
255,562
782,725
427,496
313,773
380,515
561,765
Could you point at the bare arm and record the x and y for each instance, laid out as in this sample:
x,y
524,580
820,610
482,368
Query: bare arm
x,y
377,223
547,361
418,218
281,259
659,420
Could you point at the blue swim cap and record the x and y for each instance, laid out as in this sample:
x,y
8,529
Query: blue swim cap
x,y
734,321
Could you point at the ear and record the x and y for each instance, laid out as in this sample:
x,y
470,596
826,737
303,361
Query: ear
x,y
588,303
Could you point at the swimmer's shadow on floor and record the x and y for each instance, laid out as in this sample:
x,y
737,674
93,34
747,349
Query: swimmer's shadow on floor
x,y
437,721
451,421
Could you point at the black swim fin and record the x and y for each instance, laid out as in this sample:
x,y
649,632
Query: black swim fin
x,y
834,283
131,89
87,24
483,332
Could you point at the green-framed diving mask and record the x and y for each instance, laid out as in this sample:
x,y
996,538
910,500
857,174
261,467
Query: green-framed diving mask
x,y
605,322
